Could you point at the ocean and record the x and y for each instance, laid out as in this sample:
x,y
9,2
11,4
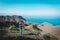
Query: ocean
x,y
53,20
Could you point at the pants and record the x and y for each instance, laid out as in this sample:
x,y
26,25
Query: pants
x,y
20,30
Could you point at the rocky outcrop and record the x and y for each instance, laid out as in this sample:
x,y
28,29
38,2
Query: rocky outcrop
x,y
11,18
46,28
7,20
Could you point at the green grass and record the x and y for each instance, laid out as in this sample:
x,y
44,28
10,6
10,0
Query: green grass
x,y
13,31
33,32
13,28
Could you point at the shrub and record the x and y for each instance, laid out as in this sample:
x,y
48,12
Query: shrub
x,y
49,37
13,28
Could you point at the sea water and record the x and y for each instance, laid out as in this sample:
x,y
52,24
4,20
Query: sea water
x,y
53,20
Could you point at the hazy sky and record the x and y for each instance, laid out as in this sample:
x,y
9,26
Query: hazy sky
x,y
30,7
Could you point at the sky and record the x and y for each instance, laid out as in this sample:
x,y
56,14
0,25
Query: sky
x,y
43,8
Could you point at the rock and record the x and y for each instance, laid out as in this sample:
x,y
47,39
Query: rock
x,y
10,18
7,20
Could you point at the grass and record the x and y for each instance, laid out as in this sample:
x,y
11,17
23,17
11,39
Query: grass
x,y
13,29
33,32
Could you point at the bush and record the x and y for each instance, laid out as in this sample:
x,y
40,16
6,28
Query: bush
x,y
49,37
13,28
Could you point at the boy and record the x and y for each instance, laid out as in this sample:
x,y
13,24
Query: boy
x,y
20,26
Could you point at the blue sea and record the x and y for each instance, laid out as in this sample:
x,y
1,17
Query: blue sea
x,y
52,20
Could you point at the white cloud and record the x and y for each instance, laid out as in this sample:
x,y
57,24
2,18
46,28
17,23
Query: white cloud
x,y
34,11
